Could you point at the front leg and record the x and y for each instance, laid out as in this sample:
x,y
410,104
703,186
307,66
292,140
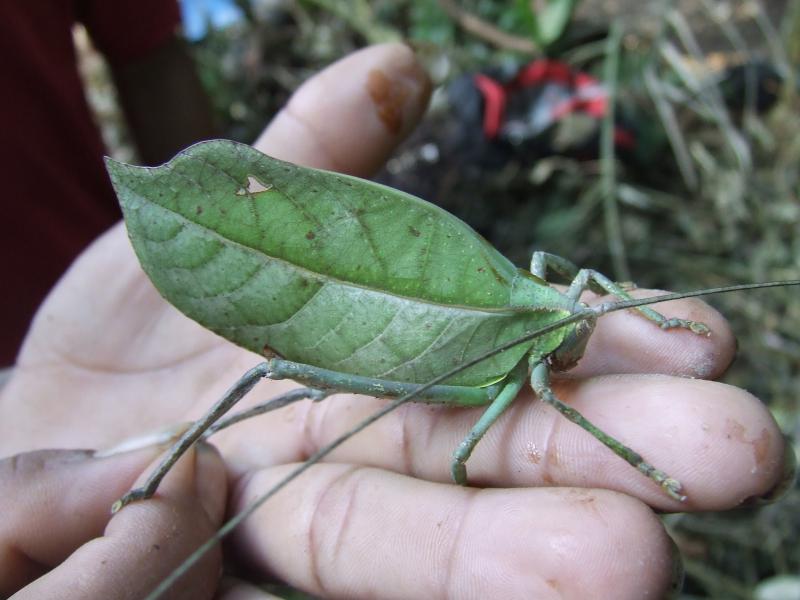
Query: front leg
x,y
583,279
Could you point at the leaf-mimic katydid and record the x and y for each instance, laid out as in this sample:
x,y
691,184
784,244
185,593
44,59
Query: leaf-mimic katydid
x,y
351,286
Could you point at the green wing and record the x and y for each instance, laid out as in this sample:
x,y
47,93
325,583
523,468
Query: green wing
x,y
323,268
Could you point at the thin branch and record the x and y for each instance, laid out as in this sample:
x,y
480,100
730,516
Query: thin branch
x,y
487,31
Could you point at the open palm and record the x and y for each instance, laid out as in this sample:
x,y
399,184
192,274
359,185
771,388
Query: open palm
x,y
107,358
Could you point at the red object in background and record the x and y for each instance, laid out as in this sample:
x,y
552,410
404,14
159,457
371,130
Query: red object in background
x,y
56,194
558,90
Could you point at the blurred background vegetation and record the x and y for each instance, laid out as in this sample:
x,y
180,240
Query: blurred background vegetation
x,y
709,194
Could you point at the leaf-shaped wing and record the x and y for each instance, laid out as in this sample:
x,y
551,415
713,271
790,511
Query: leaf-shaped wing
x,y
323,268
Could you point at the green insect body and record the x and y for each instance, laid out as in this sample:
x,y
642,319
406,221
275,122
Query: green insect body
x,y
355,287
328,270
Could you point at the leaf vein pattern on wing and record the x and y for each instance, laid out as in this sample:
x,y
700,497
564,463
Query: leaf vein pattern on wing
x,y
374,340
244,185
425,258
343,318
287,322
463,353
367,235
225,295
419,356
213,296
300,206
507,310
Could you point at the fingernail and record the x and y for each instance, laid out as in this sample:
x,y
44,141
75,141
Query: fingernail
x,y
160,437
398,87
786,482
678,572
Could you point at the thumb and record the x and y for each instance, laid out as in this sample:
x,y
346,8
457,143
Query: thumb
x,y
352,115
55,501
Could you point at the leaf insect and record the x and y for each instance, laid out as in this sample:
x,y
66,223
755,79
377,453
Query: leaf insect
x,y
351,286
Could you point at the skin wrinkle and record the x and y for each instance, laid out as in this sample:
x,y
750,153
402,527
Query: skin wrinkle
x,y
407,427
343,479
548,466
16,465
70,361
312,422
468,505
32,568
433,418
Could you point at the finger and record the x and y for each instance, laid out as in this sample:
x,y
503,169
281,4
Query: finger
x,y
146,540
719,441
342,531
350,117
625,342
52,501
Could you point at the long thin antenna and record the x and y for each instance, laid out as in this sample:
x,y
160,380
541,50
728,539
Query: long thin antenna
x,y
580,315
608,307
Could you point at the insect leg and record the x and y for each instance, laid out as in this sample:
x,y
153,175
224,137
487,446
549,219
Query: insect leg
x,y
599,283
584,278
511,386
286,399
323,383
231,397
540,381
454,395
542,262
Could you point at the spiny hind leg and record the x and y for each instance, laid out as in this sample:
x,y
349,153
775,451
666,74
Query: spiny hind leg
x,y
583,279
321,382
212,421
540,381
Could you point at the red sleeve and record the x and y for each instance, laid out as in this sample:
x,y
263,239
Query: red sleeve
x,y
124,30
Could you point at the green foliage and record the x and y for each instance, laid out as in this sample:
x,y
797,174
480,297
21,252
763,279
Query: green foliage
x,y
547,24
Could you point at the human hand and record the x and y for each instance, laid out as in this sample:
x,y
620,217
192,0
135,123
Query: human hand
x,y
58,540
108,358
